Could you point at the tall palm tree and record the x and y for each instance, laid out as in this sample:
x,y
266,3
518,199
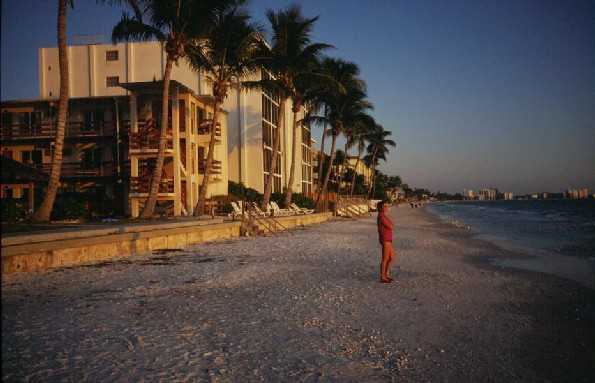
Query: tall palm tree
x,y
291,61
377,149
176,24
226,53
346,104
45,209
351,131
359,140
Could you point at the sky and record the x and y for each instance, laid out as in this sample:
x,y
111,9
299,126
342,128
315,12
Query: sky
x,y
477,93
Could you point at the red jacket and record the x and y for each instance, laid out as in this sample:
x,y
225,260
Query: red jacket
x,y
385,228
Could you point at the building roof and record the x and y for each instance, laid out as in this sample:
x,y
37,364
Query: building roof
x,y
156,87
14,172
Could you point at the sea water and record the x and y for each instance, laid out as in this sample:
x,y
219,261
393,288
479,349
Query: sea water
x,y
559,235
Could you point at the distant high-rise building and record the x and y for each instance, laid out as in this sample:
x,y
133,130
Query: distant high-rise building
x,y
508,196
488,194
572,194
583,193
544,195
468,194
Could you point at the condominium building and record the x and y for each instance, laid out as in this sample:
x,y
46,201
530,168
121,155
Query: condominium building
x,y
113,129
508,196
360,168
489,194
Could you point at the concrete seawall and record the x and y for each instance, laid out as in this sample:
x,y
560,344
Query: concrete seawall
x,y
43,251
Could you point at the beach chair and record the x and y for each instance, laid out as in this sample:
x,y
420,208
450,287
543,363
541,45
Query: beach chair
x,y
278,211
301,210
257,210
237,211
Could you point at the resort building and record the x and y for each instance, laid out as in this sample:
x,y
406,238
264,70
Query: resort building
x,y
112,131
362,169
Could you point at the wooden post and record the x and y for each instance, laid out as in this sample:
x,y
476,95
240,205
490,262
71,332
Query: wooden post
x,y
190,117
31,196
175,122
134,203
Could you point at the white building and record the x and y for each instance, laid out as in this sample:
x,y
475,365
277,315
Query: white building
x,y
125,79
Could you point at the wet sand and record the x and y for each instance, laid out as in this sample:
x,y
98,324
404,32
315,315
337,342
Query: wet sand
x,y
303,306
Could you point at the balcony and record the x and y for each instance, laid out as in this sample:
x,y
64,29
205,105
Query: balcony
x,y
215,167
204,128
47,130
141,185
147,137
81,169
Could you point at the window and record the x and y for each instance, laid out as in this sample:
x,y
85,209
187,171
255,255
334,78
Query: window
x,y
270,129
112,81
111,56
36,156
91,158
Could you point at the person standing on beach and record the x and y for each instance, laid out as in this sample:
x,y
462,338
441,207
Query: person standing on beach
x,y
385,237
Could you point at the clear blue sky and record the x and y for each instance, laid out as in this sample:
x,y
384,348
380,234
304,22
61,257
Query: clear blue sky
x,y
477,92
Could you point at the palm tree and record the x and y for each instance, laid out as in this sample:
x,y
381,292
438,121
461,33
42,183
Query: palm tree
x,y
291,62
45,209
377,150
227,53
176,24
359,139
346,104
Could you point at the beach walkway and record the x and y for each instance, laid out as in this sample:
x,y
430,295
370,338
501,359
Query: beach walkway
x,y
303,305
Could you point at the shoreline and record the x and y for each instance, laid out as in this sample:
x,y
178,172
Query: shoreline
x,y
303,306
576,268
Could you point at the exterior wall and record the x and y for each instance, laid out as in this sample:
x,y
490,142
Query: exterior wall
x,y
245,137
89,69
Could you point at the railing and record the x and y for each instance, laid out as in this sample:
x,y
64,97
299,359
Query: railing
x,y
142,185
48,130
148,136
205,128
215,167
80,169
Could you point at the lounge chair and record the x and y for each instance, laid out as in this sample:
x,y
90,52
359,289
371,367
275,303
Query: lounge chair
x,y
257,210
278,211
237,211
301,210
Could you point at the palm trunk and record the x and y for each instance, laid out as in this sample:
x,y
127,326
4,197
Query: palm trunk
x,y
373,174
200,207
321,153
359,155
345,169
289,190
45,210
268,186
328,170
156,179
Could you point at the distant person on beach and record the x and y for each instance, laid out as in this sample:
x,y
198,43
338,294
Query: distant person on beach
x,y
385,237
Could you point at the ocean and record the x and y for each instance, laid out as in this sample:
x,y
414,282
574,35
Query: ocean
x,y
555,233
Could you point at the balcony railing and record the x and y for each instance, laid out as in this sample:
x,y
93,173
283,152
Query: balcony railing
x,y
143,184
81,169
48,130
147,137
215,167
205,128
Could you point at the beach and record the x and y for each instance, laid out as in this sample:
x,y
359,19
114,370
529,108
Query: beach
x,y
305,306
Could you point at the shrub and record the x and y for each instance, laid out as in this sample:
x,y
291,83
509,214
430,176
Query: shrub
x,y
13,210
71,206
303,201
240,192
